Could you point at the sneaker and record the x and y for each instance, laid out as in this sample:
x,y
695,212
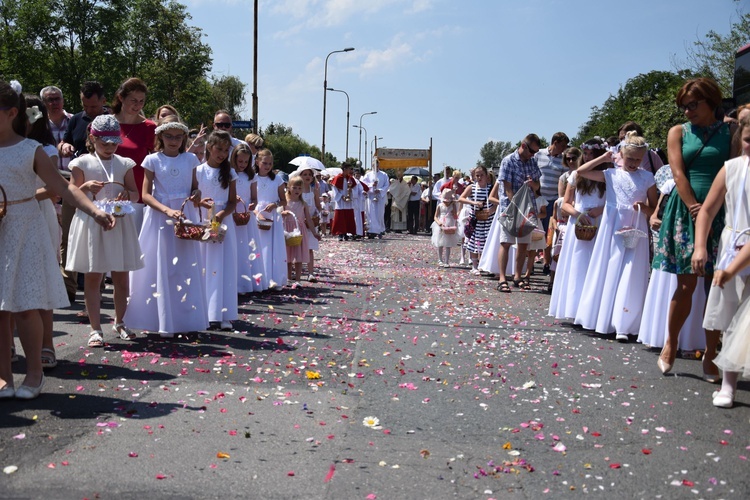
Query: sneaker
x,y
226,326
441,263
622,337
341,237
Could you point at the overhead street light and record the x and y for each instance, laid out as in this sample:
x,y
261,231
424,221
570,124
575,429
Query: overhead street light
x,y
359,151
325,86
347,118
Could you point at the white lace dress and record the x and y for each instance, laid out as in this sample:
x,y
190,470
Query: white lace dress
x,y
272,244
617,277
29,274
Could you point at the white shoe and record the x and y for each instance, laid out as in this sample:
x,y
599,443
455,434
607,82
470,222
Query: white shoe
x,y
440,263
475,272
721,399
622,337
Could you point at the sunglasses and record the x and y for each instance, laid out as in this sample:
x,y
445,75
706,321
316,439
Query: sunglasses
x,y
223,124
529,148
691,106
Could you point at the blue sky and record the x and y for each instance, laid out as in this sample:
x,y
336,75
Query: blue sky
x,y
458,72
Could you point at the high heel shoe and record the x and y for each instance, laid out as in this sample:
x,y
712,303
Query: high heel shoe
x,y
26,392
723,399
663,366
7,392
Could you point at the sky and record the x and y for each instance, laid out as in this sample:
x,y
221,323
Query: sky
x,y
454,74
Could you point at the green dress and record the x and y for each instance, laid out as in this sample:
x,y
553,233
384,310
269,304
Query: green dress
x,y
677,234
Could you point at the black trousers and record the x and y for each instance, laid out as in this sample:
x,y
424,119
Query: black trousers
x,y
412,216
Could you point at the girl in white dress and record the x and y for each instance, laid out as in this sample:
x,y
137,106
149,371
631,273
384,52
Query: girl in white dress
x,y
30,278
90,249
446,216
730,294
311,197
168,294
216,181
570,274
271,196
617,278
251,275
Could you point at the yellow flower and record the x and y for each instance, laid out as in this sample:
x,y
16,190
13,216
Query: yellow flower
x,y
311,375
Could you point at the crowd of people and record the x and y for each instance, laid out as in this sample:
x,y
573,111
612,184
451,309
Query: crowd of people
x,y
633,247
182,221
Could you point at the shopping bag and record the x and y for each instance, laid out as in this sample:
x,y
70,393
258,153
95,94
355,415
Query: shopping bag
x,y
520,218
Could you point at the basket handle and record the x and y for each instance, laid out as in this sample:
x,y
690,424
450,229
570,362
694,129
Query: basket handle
x,y
119,184
240,200
182,210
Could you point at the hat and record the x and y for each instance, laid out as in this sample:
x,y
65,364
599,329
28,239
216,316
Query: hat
x,y
107,129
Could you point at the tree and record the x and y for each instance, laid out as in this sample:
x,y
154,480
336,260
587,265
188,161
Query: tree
x,y
492,153
713,55
647,99
229,94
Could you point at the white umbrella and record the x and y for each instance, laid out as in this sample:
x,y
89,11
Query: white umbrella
x,y
332,171
308,162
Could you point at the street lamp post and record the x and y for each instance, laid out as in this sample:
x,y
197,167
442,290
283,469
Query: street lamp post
x,y
359,151
347,118
372,148
360,133
325,86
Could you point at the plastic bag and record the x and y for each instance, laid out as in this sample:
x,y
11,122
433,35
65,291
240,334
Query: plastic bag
x,y
520,218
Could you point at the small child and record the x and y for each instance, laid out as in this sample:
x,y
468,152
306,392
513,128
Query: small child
x,y
92,252
325,212
296,219
217,183
444,228
538,237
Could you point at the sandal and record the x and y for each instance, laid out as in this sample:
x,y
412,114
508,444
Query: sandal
x,y
123,332
524,284
82,313
503,287
95,339
49,360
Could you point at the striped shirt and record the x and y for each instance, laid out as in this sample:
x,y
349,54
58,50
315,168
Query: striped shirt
x,y
551,168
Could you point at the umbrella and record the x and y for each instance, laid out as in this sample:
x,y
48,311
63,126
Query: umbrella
x,y
419,171
308,162
332,171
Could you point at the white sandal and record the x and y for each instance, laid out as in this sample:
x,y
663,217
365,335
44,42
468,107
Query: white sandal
x,y
95,339
123,332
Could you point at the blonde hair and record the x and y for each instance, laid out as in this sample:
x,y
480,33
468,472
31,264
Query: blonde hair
x,y
295,181
633,142
255,140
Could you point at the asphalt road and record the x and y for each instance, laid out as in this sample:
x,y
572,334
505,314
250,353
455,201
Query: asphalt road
x,y
477,394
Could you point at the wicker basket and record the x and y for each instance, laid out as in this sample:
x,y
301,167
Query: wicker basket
x,y
3,208
538,235
264,224
449,229
631,234
291,239
189,230
241,218
482,214
585,232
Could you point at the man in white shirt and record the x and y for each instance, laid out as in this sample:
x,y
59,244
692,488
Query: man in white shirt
x,y
412,211
58,118
378,183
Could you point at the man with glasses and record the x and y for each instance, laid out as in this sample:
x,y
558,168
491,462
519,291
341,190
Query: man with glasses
x,y
516,169
550,165
58,118
223,121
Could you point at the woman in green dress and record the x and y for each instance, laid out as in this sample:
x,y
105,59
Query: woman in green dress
x,y
697,150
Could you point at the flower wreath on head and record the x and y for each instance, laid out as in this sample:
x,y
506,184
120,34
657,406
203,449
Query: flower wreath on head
x,y
169,126
603,145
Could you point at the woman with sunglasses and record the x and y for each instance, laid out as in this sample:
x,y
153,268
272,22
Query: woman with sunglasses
x,y
697,150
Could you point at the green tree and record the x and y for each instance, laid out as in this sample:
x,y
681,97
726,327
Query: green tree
x,y
647,99
229,93
713,55
492,153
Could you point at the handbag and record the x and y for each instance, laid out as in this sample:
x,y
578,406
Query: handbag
x,y
729,252
520,217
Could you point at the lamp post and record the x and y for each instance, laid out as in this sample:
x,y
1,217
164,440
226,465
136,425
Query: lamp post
x,y
325,86
359,151
360,133
347,118
372,148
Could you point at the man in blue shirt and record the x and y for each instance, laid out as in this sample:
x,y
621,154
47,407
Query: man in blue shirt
x,y
517,168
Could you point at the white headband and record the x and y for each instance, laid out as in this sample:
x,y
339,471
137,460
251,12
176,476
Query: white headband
x,y
170,125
